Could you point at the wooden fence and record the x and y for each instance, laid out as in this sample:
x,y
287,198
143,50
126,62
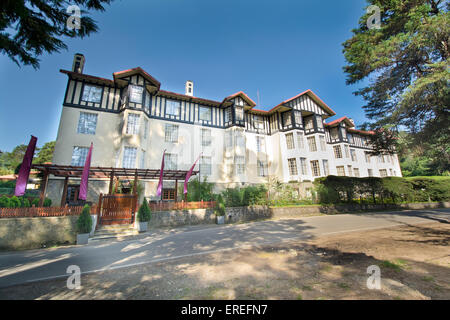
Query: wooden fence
x,y
166,206
43,211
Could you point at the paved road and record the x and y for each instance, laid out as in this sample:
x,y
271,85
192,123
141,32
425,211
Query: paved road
x,y
34,265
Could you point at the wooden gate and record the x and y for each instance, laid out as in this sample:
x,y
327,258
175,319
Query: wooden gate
x,y
117,208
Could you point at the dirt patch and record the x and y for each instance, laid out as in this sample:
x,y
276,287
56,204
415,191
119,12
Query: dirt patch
x,y
414,263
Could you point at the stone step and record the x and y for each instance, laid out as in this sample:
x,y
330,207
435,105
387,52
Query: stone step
x,y
116,227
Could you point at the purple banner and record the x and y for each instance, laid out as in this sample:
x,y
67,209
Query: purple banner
x,y
188,175
24,172
85,176
161,172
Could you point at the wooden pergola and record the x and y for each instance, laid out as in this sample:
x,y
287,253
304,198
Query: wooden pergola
x,y
68,171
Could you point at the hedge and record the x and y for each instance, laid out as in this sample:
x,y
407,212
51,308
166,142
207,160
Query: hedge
x,y
333,189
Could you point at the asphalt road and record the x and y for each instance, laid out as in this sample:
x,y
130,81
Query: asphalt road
x,y
34,265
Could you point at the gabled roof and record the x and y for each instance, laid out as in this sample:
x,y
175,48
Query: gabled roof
x,y
336,122
243,96
138,70
360,131
313,96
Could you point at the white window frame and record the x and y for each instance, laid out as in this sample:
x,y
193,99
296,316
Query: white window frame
x,y
129,157
173,107
79,155
136,93
202,111
87,123
171,133
133,120
92,93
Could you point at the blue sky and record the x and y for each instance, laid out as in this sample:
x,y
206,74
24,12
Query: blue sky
x,y
280,48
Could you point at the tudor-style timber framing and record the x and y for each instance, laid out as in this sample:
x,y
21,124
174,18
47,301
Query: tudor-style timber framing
x,y
238,129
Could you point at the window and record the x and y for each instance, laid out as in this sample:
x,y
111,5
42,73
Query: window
x,y
292,164
87,123
205,166
390,172
136,93
315,168
319,122
290,141
228,115
287,119
205,113
343,132
312,144
262,169
303,166
381,158
323,145
168,194
349,168
395,174
326,168
334,133
145,128
353,154
258,122
367,154
337,152
340,171
350,138
133,123
147,102
240,164
206,137
347,153
239,112
300,140
370,172
260,144
356,172
298,118
92,93
142,160
170,161
171,133
383,173
129,157
173,107
79,155
309,123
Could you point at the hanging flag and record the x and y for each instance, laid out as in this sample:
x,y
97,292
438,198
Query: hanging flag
x,y
188,175
85,176
25,167
161,172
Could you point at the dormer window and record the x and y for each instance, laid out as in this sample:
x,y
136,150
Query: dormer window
x,y
239,113
205,113
92,93
136,93
173,107
287,119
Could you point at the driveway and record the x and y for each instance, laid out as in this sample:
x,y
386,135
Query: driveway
x,y
34,265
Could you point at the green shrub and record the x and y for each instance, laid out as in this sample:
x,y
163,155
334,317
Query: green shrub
x,y
84,222
144,212
4,202
14,202
198,191
26,203
35,202
233,197
254,195
220,206
47,202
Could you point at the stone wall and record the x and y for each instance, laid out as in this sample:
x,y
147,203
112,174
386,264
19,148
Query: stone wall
x,y
30,233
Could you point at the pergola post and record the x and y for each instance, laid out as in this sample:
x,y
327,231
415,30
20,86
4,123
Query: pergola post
x,y
43,189
176,190
64,193
111,183
135,182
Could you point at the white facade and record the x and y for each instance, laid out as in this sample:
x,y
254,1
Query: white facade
x,y
130,121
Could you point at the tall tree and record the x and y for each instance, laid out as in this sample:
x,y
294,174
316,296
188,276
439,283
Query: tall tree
x,y
45,153
405,66
30,28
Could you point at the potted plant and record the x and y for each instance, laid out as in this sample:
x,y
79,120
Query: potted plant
x,y
84,225
143,217
220,210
